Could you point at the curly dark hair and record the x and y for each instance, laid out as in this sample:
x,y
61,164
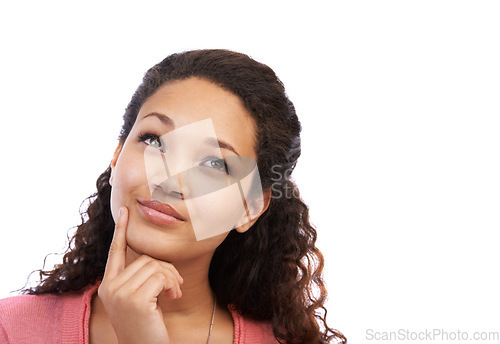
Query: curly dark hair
x,y
273,271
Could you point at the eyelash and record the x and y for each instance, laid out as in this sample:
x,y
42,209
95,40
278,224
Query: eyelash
x,y
145,136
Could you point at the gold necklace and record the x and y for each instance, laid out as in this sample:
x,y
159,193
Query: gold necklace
x,y
211,322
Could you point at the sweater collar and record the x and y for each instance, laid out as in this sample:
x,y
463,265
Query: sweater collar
x,y
76,316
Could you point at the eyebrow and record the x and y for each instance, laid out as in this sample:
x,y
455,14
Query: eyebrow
x,y
216,143
220,144
163,118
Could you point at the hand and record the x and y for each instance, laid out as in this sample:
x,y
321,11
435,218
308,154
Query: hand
x,y
130,294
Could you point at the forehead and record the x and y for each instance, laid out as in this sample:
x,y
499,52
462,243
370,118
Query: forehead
x,y
195,99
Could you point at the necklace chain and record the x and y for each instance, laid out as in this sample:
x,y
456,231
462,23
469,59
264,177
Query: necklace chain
x,y
211,322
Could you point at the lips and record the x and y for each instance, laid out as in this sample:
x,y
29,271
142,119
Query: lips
x,y
163,208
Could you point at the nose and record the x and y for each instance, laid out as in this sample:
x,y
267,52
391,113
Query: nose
x,y
169,190
162,175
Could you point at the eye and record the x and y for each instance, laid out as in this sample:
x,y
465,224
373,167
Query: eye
x,y
151,140
216,163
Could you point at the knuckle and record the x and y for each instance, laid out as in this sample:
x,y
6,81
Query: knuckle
x,y
144,258
161,277
154,264
104,291
168,265
120,296
101,292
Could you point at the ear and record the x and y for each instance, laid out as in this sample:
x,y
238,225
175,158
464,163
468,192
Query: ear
x,y
116,154
267,199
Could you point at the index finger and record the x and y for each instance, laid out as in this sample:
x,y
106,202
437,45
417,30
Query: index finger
x,y
118,248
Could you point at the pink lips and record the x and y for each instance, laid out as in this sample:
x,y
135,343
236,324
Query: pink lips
x,y
160,213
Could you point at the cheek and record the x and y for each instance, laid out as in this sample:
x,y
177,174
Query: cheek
x,y
128,176
129,171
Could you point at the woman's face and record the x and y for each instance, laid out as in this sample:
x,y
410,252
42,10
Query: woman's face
x,y
175,154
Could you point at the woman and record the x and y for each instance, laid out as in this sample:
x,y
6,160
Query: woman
x,y
195,234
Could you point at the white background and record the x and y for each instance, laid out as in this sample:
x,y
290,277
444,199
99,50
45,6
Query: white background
x,y
399,102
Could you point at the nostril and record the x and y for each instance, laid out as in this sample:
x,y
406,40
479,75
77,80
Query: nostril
x,y
178,194
162,194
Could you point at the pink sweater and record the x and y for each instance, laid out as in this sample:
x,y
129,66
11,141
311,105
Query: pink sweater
x,y
65,319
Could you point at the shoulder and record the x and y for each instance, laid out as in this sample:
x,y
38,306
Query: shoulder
x,y
27,305
42,318
247,330
23,316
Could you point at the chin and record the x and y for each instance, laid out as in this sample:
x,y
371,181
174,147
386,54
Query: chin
x,y
162,246
158,244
